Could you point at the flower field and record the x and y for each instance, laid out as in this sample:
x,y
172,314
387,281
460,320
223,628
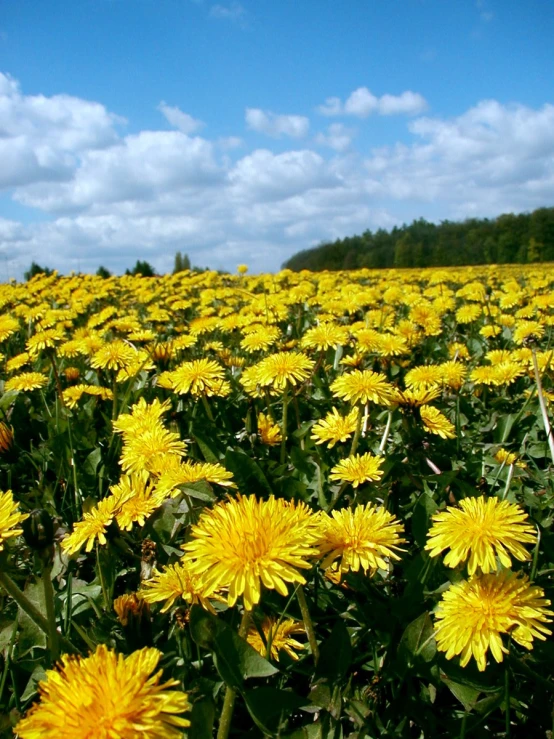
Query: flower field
x,y
297,505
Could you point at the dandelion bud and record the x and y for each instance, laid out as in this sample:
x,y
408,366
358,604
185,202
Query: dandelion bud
x,y
6,437
38,529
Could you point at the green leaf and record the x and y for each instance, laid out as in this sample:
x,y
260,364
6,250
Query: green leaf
x,y
335,655
418,641
268,706
201,490
421,518
37,675
202,719
8,398
207,446
31,636
467,695
247,473
235,659
92,461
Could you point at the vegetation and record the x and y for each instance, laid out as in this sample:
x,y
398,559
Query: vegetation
x,y
36,269
291,505
523,239
142,268
182,263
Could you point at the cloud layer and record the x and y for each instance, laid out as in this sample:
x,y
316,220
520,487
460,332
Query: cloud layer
x,y
99,195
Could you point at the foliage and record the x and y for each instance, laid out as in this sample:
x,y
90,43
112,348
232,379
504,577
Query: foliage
x,y
103,272
36,269
524,239
132,410
142,268
182,263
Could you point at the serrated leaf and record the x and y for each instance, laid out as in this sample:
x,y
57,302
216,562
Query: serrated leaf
x,y
418,640
467,695
247,473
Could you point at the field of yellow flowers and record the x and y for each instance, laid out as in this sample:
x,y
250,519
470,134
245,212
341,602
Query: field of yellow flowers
x,y
297,505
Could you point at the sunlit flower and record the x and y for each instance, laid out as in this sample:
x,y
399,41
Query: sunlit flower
x,y
360,538
526,330
415,398
325,336
199,377
468,313
425,376
107,696
139,501
334,427
245,543
436,423
506,373
362,386
242,269
176,581
277,637
358,469
503,456
142,417
473,614
113,356
43,340
8,326
26,381
285,367
479,531
10,518
72,395
261,339
149,450
15,363
176,473
94,525
270,433
72,374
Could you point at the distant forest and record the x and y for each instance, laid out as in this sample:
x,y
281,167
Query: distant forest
x,y
520,239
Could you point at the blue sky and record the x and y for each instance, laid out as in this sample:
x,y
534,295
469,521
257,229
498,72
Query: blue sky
x,y
242,131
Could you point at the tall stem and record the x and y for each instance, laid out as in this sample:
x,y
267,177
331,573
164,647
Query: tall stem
x,y
231,693
30,609
53,636
308,623
207,408
284,426
543,404
353,448
386,434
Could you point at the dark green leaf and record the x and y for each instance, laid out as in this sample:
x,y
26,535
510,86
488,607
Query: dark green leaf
x,y
268,706
335,654
247,473
418,641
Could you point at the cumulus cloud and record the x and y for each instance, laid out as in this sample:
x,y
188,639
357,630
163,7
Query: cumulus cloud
x,y
338,137
110,197
363,103
295,126
178,119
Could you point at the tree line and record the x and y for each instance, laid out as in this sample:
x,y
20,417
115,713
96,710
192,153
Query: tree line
x,y
510,238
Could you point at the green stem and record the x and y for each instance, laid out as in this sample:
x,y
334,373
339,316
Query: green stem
x,y
207,408
463,727
308,623
284,426
231,693
507,697
386,433
53,635
543,405
353,448
508,481
27,607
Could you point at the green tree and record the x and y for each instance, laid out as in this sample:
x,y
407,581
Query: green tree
x,y
141,268
36,269
103,272
182,263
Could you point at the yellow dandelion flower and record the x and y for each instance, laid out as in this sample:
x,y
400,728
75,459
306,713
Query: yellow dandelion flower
x,y
177,473
72,395
10,518
245,543
93,526
503,456
26,381
362,386
436,423
72,374
261,339
473,614
138,500
128,606
104,696
277,637
177,581
506,373
361,538
423,377
358,469
415,398
367,340
480,530
468,313
269,432
282,368
15,363
334,427
149,451
199,377
113,356
142,417
526,330
456,350
324,336
482,375
8,326
242,269
392,346
43,340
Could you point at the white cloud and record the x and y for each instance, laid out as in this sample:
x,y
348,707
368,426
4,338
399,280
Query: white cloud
x,y
178,119
338,137
363,103
233,12
111,198
295,126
